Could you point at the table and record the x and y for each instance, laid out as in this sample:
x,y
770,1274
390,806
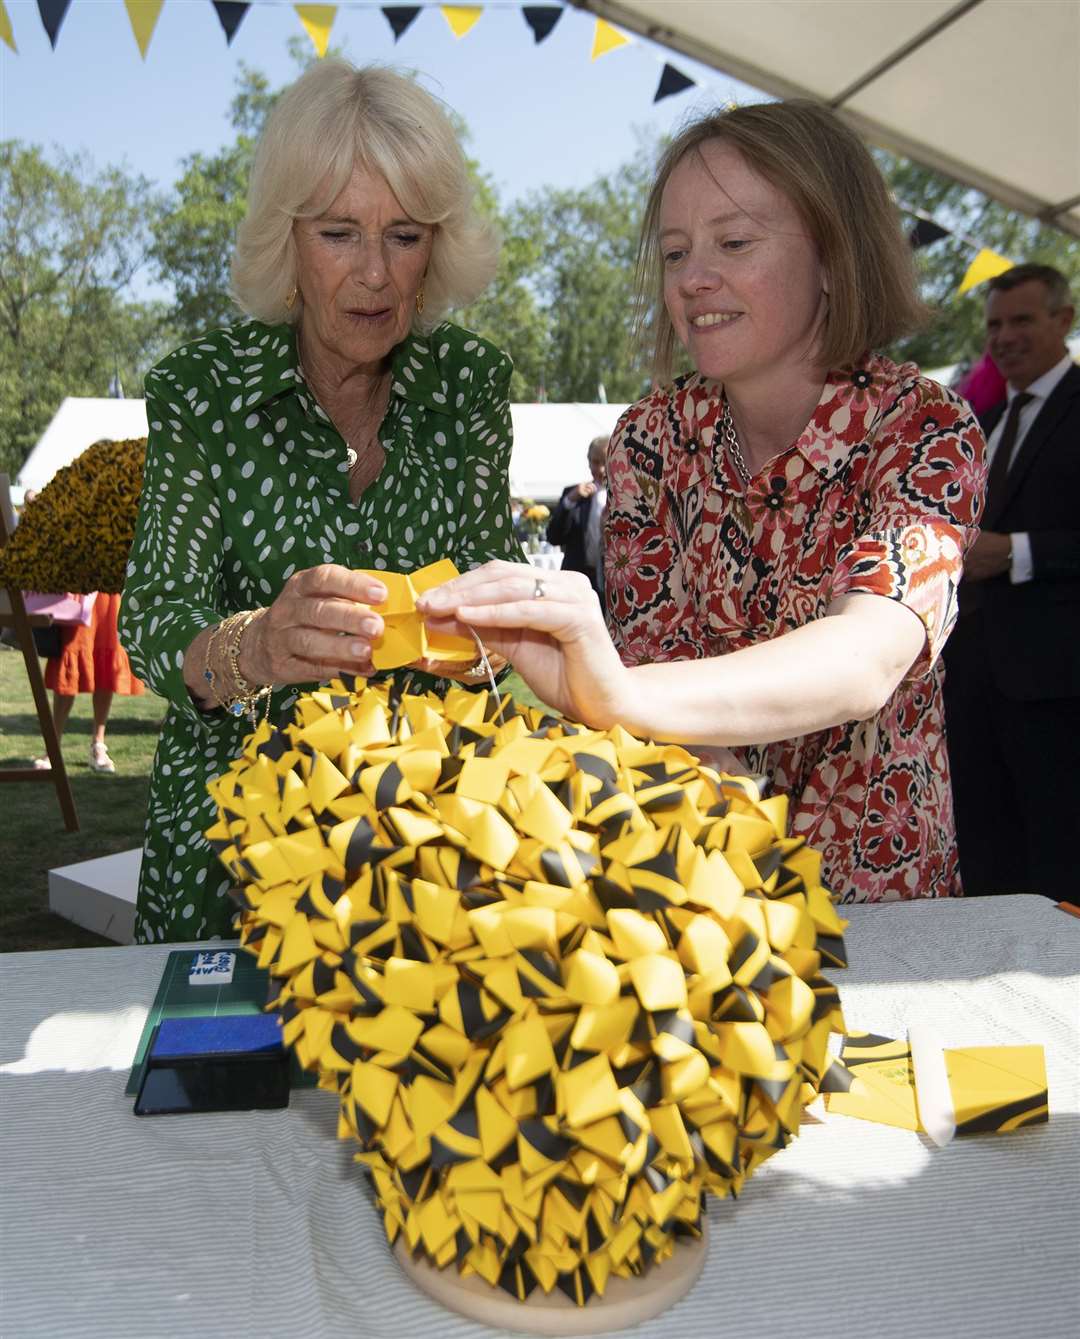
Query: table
x,y
258,1224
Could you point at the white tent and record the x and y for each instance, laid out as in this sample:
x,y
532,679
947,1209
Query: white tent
x,y
77,424
550,441
987,91
551,444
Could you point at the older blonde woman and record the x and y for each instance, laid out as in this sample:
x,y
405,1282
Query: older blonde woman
x,y
786,523
345,425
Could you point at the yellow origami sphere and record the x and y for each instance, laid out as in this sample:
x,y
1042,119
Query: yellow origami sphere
x,y
565,981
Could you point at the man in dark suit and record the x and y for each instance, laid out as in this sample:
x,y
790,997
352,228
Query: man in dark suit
x,y
1012,680
576,524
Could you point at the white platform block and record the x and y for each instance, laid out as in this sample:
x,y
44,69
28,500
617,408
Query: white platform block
x,y
99,894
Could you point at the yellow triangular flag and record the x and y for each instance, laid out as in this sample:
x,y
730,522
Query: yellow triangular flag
x,y
606,38
461,17
317,21
985,266
6,33
143,17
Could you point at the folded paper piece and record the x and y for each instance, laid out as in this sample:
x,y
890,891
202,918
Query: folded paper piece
x,y
564,981
405,639
994,1088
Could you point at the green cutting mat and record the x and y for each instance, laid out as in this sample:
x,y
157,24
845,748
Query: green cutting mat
x,y
245,994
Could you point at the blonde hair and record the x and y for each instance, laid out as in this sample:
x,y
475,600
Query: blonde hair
x,y
804,150
333,119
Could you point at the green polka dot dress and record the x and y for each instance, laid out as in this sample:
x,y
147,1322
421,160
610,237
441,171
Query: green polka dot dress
x,y
246,482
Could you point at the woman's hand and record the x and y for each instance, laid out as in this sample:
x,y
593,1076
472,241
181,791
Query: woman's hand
x,y
548,625
320,626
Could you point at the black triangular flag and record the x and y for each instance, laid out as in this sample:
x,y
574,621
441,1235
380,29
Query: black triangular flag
x,y
400,16
231,13
541,19
52,16
672,81
926,231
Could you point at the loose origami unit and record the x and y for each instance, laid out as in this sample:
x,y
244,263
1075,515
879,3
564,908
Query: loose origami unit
x,y
995,1089
565,981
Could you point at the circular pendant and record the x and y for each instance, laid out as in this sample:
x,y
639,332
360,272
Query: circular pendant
x,y
350,456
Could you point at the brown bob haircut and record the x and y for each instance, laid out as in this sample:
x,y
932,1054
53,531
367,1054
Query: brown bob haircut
x,y
804,150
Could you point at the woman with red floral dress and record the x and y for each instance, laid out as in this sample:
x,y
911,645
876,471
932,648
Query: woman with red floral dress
x,y
787,523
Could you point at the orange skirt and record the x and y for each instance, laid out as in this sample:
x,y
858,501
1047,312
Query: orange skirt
x,y
91,658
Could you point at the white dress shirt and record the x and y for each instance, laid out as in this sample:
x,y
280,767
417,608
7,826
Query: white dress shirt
x,y
1021,568
593,527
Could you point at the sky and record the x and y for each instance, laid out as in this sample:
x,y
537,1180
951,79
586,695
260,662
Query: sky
x,y
538,115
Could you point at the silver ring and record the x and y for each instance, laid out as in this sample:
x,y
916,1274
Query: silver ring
x,y
538,588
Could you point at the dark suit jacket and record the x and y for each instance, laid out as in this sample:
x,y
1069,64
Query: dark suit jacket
x,y
1033,629
567,529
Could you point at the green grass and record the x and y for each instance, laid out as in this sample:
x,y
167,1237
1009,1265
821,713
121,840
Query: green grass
x,y
111,808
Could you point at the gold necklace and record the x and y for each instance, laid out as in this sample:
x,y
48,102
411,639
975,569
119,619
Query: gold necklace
x,y
352,456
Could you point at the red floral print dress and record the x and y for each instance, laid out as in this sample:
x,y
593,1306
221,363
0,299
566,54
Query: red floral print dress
x,y
881,494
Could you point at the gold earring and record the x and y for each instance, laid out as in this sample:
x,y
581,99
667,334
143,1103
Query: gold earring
x,y
420,300
290,298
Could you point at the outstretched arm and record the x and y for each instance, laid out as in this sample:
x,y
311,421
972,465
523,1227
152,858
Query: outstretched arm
x,y
842,667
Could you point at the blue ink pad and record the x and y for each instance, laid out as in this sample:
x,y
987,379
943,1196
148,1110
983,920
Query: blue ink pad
x,y
232,1062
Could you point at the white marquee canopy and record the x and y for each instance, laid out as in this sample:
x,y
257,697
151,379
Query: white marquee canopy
x,y
986,91
551,441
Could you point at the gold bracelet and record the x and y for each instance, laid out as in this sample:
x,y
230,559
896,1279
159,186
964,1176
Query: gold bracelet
x,y
247,695
210,674
244,696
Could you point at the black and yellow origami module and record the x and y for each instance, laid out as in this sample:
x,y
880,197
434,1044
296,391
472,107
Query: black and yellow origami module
x,y
563,980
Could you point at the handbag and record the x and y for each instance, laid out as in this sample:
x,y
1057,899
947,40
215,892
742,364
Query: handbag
x,y
62,608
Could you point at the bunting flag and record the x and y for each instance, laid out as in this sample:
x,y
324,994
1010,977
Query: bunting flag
x,y
461,18
143,17
400,17
925,233
52,16
986,265
606,38
541,19
231,14
6,35
672,81
317,21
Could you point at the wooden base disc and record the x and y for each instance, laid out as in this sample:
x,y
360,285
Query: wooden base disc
x,y
625,1303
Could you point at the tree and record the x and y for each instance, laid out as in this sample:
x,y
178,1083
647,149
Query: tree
x,y
71,239
508,312
956,333
193,238
585,243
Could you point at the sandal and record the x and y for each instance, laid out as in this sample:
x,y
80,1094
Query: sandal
x,y
100,760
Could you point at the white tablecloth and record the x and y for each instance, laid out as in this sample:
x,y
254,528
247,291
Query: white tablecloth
x,y
259,1224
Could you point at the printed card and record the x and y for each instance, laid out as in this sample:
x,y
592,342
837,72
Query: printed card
x,y
211,969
